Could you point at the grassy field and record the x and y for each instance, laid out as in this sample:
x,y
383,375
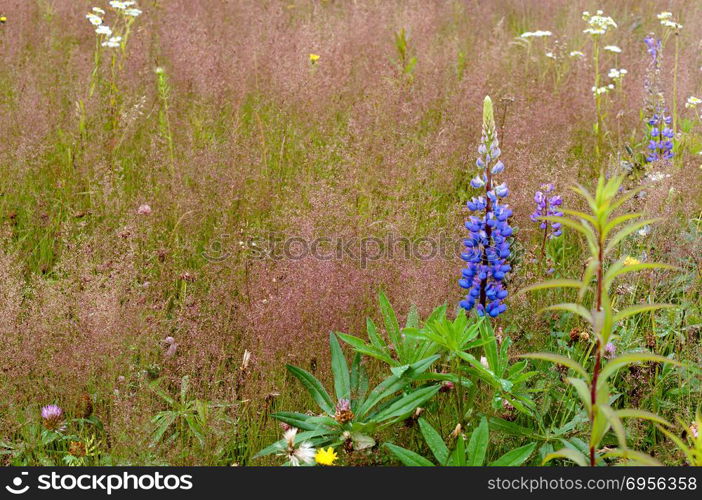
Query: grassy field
x,y
198,197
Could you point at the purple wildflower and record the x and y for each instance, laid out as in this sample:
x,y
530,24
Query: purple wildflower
x,y
487,246
547,206
610,350
660,144
52,418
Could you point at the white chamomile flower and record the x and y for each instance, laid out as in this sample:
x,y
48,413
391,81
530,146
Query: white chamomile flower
x,y
103,30
616,74
94,20
692,102
112,42
576,53
613,48
664,15
132,12
116,4
550,55
99,11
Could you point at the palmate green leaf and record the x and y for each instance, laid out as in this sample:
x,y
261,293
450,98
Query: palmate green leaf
x,y
340,369
405,405
636,456
568,454
514,458
583,391
434,441
574,308
639,308
559,283
642,414
314,387
478,443
623,233
407,457
628,359
559,360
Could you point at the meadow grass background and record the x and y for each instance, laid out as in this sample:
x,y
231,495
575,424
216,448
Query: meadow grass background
x,y
266,142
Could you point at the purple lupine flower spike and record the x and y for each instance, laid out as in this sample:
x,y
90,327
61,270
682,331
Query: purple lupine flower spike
x,y
660,135
488,245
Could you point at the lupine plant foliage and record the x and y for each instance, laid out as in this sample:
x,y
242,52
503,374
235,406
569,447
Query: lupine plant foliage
x,y
603,231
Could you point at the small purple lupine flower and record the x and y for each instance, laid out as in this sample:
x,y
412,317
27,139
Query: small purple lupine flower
x,y
487,246
610,350
52,418
547,206
660,135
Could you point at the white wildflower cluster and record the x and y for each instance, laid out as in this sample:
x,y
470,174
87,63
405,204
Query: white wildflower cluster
x,y
693,102
666,19
613,48
602,90
598,24
535,34
617,74
96,17
576,53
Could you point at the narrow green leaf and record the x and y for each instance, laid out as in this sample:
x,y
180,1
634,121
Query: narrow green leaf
x,y
639,308
560,283
434,441
616,424
514,458
391,324
623,233
559,360
340,369
406,404
568,454
478,443
583,391
314,387
574,308
630,358
407,457
642,414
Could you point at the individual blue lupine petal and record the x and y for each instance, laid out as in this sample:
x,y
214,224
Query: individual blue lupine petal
x,y
480,163
498,168
482,149
477,182
501,190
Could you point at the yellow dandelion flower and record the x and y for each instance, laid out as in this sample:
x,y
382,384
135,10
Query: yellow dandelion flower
x,y
314,58
325,457
630,261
